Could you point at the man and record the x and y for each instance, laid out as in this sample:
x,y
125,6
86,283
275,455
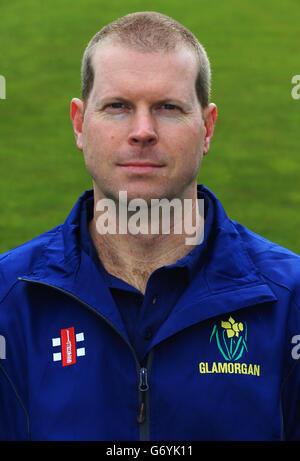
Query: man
x,y
139,336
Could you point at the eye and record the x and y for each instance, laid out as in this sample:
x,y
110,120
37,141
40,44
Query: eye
x,y
170,107
117,105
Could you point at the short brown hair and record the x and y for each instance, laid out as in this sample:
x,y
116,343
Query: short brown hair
x,y
148,31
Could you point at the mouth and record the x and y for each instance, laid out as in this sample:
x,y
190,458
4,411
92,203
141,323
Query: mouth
x,y
140,167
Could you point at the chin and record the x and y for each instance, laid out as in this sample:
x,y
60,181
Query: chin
x,y
143,191
147,195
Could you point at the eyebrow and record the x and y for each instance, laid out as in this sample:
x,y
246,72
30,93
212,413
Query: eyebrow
x,y
168,100
100,103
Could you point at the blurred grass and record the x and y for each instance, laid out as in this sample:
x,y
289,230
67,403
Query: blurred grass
x,y
253,163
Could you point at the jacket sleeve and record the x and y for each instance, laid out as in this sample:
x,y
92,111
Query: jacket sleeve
x,y
290,388
291,404
14,421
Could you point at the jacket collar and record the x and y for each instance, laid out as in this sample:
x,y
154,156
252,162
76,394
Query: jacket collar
x,y
227,279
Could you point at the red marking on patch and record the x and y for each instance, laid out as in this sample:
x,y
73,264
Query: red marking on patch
x,y
68,346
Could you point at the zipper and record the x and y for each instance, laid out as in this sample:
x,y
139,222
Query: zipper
x,y
143,414
143,388
143,417
143,372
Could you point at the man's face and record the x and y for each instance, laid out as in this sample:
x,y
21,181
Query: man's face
x,y
143,130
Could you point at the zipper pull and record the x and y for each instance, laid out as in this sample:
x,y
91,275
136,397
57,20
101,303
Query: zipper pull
x,y
143,387
143,384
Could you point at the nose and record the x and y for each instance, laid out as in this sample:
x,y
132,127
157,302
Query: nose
x,y
143,130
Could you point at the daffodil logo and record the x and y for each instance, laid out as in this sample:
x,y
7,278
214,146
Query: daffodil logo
x,y
231,338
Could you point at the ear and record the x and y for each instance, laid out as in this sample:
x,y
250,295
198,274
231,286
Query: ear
x,y
210,117
77,112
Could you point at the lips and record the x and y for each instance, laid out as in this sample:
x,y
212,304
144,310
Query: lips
x,y
140,167
140,164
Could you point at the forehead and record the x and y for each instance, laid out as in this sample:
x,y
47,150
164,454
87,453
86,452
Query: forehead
x,y
118,68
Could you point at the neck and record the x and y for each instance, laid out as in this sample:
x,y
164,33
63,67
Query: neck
x,y
133,258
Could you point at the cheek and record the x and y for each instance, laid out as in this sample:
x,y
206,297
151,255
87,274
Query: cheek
x,y
189,154
98,140
190,145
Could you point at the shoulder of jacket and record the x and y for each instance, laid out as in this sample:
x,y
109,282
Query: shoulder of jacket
x,y
277,263
24,259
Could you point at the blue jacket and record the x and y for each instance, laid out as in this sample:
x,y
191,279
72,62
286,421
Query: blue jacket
x,y
223,365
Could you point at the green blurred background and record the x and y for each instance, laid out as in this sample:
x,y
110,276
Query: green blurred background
x,y
253,165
